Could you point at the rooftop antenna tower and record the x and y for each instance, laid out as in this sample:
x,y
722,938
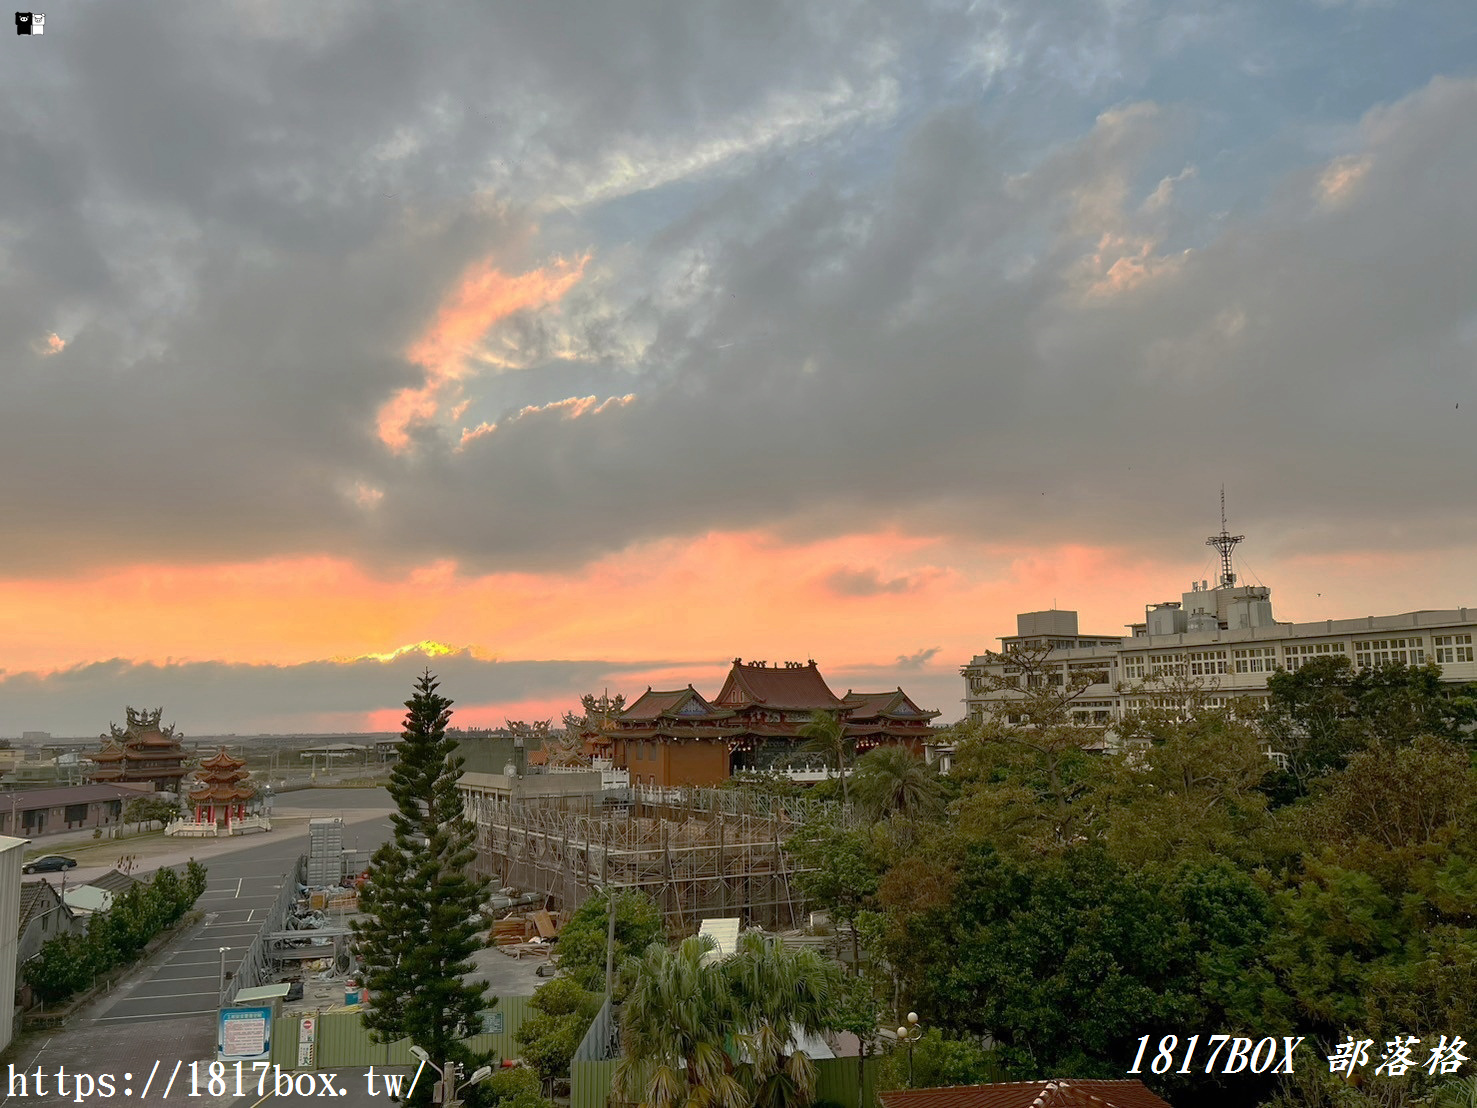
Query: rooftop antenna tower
x,y
1225,543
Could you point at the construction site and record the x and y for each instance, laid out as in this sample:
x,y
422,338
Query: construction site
x,y
697,853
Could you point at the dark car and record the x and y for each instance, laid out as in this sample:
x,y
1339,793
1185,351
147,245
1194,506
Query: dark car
x,y
50,863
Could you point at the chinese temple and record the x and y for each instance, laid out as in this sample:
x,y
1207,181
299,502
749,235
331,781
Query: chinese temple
x,y
220,791
141,752
753,724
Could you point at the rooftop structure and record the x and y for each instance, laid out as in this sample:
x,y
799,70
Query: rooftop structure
x,y
141,751
1223,641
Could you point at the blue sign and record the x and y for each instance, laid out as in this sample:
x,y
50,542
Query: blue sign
x,y
245,1034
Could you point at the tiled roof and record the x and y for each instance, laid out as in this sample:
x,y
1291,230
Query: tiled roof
x,y
26,799
783,686
896,704
36,897
656,705
114,882
1060,1093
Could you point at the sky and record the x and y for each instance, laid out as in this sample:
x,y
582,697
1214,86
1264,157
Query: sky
x,y
567,347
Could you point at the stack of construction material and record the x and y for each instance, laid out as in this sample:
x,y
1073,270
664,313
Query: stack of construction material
x,y
325,851
515,929
532,933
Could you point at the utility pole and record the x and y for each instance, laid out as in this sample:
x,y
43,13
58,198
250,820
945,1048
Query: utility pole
x,y
610,945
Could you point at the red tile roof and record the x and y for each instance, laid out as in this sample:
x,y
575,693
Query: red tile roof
x,y
1060,1093
656,705
895,704
782,686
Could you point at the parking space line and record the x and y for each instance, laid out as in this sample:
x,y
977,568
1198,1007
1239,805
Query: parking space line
x,y
161,1016
157,980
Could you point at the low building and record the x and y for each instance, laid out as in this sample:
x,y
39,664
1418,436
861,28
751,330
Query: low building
x,y
12,851
43,916
37,812
754,724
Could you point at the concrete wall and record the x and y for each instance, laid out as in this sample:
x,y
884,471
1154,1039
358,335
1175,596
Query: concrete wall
x,y
11,853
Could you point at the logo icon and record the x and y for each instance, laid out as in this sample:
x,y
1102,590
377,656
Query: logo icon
x,y
30,23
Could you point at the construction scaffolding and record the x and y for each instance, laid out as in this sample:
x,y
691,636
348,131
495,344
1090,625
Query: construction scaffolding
x,y
697,853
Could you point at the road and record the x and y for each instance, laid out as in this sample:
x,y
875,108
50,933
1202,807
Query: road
x,y
166,1010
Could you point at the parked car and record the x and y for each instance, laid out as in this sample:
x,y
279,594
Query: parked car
x,y
50,863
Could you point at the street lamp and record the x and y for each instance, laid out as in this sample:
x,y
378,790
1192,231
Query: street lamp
x,y
224,950
448,1086
910,1034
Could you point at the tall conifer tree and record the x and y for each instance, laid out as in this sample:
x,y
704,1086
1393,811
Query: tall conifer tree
x,y
420,900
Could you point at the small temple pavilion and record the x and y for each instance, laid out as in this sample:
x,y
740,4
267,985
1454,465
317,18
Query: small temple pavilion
x,y
221,789
141,752
755,723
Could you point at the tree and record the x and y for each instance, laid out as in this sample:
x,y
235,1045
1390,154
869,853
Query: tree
x,y
827,735
703,1032
548,1039
675,1028
838,870
1326,711
419,901
1194,792
777,991
939,1060
892,781
638,924
1066,959
150,809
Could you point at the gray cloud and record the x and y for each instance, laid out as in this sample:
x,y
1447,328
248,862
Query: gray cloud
x,y
842,258
917,660
221,697
867,582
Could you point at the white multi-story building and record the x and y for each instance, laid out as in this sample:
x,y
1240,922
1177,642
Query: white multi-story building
x,y
1223,640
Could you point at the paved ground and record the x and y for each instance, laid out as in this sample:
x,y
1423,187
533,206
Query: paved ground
x,y
166,1011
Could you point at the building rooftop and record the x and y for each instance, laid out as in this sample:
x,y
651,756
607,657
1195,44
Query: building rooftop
x,y
36,897
26,799
791,685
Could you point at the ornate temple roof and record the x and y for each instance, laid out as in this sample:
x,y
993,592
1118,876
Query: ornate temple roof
x,y
221,760
685,703
884,705
142,750
789,686
222,776
220,790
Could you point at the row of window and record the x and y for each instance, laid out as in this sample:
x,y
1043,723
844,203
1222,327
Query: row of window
x,y
1453,648
1368,653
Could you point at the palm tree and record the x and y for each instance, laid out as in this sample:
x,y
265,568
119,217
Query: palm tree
x,y
777,992
675,1028
828,736
1460,1093
698,1032
891,780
